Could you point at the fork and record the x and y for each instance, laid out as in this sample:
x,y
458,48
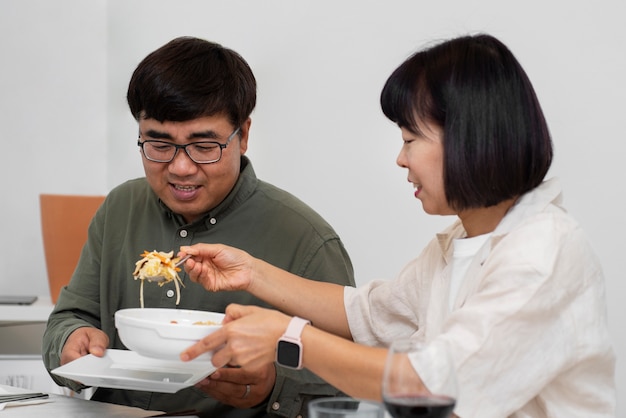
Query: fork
x,y
14,397
158,279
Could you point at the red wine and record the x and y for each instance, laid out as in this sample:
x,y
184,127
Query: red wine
x,y
408,406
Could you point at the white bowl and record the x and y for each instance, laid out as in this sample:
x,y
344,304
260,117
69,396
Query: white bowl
x,y
164,333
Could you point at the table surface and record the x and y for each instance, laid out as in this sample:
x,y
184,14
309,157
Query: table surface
x,y
65,406
12,316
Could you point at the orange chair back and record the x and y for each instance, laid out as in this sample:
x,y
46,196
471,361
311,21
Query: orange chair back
x,y
64,223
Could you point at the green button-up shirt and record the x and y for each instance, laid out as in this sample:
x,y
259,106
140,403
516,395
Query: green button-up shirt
x,y
260,218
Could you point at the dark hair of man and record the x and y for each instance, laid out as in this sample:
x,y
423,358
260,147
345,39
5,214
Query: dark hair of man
x,y
496,141
188,78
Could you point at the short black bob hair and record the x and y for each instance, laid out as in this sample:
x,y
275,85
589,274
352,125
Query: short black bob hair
x,y
188,78
495,138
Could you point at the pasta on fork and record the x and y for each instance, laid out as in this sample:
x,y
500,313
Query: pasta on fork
x,y
160,267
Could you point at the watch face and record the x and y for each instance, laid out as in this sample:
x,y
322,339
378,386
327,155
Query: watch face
x,y
288,354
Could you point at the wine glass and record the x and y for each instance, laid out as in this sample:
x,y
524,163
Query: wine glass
x,y
405,394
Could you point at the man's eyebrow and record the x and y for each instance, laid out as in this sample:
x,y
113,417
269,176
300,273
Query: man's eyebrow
x,y
210,134
151,133
204,135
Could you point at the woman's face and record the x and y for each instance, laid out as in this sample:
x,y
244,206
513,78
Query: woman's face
x,y
422,155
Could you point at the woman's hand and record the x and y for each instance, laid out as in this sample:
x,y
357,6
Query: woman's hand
x,y
247,338
218,267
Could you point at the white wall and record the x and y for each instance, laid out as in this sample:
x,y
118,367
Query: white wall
x,y
317,130
52,122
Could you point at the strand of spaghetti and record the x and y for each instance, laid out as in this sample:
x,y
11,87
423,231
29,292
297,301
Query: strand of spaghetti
x,y
141,293
177,290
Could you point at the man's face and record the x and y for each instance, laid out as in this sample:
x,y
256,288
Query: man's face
x,y
188,188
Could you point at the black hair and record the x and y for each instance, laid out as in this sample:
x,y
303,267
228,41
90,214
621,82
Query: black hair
x,y
496,141
188,78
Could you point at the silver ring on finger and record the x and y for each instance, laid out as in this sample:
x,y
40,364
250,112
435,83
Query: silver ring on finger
x,y
245,395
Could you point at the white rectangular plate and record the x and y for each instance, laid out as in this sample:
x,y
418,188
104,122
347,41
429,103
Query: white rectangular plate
x,y
123,369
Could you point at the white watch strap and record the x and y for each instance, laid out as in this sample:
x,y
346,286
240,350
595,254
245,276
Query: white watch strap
x,y
295,327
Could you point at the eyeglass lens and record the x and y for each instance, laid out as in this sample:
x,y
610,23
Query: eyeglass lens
x,y
200,152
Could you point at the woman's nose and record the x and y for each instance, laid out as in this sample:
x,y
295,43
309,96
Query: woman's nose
x,y
401,159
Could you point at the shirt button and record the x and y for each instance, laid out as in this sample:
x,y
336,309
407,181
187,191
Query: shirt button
x,y
276,406
183,233
170,293
213,221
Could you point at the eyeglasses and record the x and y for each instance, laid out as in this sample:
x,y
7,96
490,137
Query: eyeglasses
x,y
203,152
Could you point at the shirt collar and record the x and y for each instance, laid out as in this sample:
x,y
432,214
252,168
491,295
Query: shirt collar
x,y
241,192
533,202
244,187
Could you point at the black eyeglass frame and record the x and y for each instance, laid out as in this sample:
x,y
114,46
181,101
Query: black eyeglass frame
x,y
184,147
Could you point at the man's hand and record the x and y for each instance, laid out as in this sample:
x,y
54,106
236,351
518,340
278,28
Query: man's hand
x,y
83,341
239,387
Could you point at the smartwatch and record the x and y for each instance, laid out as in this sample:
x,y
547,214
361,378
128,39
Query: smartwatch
x,y
289,349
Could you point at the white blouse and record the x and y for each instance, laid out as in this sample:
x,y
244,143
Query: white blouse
x,y
527,330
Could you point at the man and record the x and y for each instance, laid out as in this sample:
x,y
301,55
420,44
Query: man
x,y
192,100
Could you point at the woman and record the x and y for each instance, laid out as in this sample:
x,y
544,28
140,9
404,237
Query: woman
x,y
512,288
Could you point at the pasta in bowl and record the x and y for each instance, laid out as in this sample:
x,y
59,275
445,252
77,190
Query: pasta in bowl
x,y
164,333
